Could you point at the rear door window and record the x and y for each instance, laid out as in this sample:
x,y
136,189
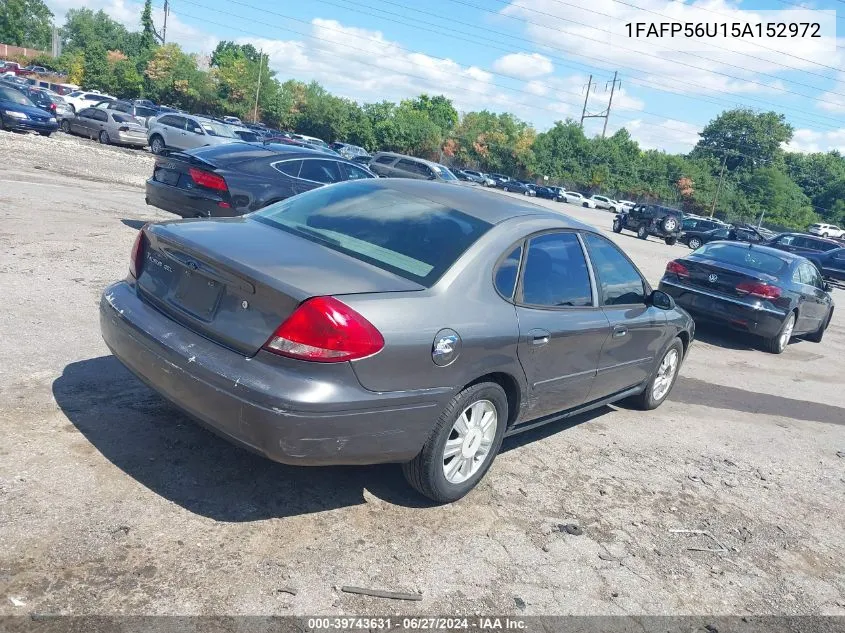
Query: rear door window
x,y
556,273
322,171
619,282
99,115
385,160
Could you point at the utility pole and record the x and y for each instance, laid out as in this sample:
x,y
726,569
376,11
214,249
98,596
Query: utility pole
x,y
258,87
719,186
586,98
610,102
164,26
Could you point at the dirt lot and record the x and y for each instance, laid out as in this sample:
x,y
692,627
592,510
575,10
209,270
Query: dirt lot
x,y
113,502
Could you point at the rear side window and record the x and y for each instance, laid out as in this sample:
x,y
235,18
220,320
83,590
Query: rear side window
x,y
745,256
412,237
556,272
620,283
350,172
824,246
323,171
289,167
505,277
385,160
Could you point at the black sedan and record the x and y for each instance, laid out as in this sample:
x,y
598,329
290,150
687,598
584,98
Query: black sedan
x,y
549,193
831,264
391,320
755,289
802,243
694,238
515,186
236,178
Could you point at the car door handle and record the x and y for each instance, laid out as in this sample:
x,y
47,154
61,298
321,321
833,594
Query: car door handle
x,y
620,331
539,337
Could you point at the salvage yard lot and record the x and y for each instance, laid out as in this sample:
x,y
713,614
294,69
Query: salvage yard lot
x,y
113,502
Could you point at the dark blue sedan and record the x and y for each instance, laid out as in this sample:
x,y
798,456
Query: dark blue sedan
x,y
757,289
19,113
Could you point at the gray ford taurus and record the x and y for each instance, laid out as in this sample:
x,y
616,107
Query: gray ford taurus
x,y
391,321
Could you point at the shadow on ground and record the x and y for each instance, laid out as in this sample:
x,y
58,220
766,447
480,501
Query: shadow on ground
x,y
133,224
151,441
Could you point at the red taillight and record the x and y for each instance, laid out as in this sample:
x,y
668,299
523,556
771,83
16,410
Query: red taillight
x,y
678,268
207,179
325,330
136,260
53,107
758,289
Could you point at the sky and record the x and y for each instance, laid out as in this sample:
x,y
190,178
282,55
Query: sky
x,y
534,58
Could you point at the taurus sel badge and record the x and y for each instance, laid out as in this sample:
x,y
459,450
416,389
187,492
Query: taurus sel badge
x,y
446,347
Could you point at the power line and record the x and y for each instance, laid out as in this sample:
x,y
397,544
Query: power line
x,y
563,62
663,59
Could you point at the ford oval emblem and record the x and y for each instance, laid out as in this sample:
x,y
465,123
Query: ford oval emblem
x,y
713,278
446,347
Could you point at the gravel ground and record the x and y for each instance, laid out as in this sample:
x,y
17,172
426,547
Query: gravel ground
x,y
114,503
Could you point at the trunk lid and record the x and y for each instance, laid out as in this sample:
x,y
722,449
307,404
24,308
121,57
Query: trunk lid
x,y
722,277
236,280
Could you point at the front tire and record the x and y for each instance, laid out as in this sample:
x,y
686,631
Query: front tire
x,y
156,145
816,337
694,243
777,344
465,440
617,225
661,383
642,232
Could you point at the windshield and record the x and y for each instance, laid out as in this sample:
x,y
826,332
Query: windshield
x,y
10,94
212,128
743,256
444,173
244,135
413,237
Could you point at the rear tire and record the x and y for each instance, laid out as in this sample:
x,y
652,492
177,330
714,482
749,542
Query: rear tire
x,y
104,138
816,337
426,473
586,205
777,344
694,243
670,241
660,385
642,232
65,126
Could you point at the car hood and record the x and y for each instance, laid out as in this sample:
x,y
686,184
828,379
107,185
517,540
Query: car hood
x,y
33,111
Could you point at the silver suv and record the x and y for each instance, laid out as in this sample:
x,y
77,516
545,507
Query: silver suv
x,y
390,165
185,131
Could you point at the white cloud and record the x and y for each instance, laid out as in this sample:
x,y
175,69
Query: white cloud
x,y
806,141
524,65
668,135
834,101
596,31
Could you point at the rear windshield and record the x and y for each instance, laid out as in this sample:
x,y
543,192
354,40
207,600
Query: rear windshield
x,y
123,118
744,256
413,237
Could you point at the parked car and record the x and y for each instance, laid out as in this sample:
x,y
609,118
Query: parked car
x,y
334,327
289,140
390,165
48,101
11,68
237,178
479,177
232,120
469,176
831,264
802,244
651,219
573,197
826,230
311,140
549,193
700,225
695,239
107,126
141,113
514,186
499,180
146,103
35,70
622,205
756,289
186,131
81,99
603,202
246,135
19,113
349,151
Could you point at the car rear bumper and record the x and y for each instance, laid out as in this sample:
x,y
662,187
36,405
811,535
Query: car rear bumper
x,y
131,139
706,306
188,204
280,408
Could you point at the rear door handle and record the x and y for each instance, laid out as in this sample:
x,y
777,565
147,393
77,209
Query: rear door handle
x,y
539,337
620,331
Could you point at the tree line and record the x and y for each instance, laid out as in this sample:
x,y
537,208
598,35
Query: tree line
x,y
739,162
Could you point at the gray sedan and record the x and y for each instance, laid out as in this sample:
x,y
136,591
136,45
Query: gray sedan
x,y
391,320
107,126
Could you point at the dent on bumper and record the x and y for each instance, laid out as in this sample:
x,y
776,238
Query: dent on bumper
x,y
261,403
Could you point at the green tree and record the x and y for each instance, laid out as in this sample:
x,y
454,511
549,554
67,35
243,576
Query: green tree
x,y
748,139
26,23
84,28
438,109
148,31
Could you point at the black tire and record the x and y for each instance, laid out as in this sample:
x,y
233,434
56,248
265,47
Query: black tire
x,y
156,144
104,138
642,232
646,401
585,205
47,134
425,473
776,345
65,126
506,189
617,225
669,224
694,243
670,241
816,337
526,193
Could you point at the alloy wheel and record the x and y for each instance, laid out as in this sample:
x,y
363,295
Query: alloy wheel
x,y
786,333
694,243
665,375
470,441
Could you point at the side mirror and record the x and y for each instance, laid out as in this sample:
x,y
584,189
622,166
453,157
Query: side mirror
x,y
660,299
827,287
